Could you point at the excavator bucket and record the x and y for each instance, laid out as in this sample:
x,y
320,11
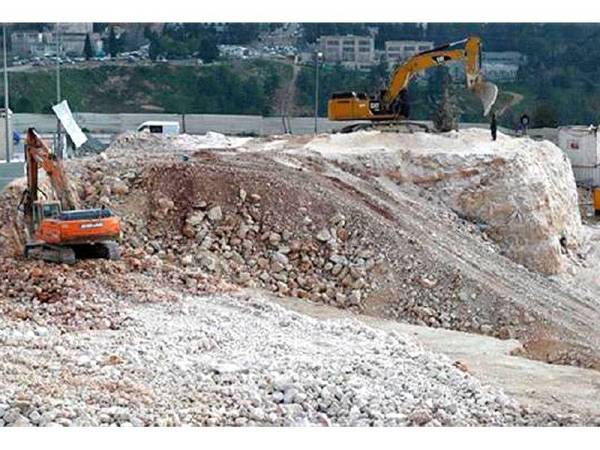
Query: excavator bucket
x,y
487,93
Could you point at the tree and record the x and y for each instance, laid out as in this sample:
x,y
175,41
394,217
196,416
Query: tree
x,y
24,105
445,117
112,42
88,51
378,75
545,115
155,48
207,49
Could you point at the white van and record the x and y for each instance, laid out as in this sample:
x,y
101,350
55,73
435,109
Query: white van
x,y
159,127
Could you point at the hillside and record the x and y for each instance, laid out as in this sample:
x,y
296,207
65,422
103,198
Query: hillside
x,y
231,87
245,87
257,87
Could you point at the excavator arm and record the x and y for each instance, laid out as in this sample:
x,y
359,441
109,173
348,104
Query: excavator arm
x,y
38,155
470,55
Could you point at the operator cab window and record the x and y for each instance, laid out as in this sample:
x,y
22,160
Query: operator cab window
x,y
49,211
341,95
156,129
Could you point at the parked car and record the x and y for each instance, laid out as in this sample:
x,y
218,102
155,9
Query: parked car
x,y
160,127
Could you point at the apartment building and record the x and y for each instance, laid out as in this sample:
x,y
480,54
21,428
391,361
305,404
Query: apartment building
x,y
495,66
356,52
32,43
35,43
398,51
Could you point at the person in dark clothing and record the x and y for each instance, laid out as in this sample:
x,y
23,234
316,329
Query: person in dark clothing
x,y
493,126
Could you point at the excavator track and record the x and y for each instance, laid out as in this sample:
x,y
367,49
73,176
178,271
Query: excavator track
x,y
70,254
99,250
51,253
390,127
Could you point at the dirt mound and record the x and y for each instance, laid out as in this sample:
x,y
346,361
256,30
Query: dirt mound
x,y
275,216
521,192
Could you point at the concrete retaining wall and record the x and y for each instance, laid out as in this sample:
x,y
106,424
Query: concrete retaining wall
x,y
10,171
191,123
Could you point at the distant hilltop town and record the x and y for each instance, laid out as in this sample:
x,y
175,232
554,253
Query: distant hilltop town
x,y
237,41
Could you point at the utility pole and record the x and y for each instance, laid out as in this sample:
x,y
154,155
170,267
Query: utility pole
x,y
59,149
6,119
318,57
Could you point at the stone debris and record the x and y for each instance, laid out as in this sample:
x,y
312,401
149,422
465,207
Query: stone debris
x,y
521,191
245,368
291,223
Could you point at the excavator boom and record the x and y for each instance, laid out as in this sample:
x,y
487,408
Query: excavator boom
x,y
38,154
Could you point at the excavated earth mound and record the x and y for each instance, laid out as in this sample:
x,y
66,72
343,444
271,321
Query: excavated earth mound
x,y
521,192
399,229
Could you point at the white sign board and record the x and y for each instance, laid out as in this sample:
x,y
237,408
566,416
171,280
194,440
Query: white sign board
x,y
63,112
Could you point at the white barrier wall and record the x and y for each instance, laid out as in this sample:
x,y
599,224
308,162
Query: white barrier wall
x,y
191,123
10,171
580,144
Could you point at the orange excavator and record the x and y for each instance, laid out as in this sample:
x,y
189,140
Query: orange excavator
x,y
57,230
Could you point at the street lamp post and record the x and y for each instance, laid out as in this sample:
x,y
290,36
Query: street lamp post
x,y
318,57
6,119
59,150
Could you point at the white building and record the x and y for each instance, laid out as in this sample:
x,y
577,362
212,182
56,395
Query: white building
x,y
503,72
32,43
516,58
398,51
35,43
72,37
498,72
502,66
356,52
75,28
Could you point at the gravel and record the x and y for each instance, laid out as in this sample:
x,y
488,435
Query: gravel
x,y
158,339
235,360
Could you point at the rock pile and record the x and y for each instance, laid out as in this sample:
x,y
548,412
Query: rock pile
x,y
298,225
521,192
249,361
171,215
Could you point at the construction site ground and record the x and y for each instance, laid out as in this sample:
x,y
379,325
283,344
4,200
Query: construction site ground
x,y
545,387
474,250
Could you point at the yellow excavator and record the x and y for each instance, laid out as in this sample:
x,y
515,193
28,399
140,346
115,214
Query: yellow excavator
x,y
392,103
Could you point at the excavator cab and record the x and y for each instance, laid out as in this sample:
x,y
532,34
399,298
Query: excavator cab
x,y
45,210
